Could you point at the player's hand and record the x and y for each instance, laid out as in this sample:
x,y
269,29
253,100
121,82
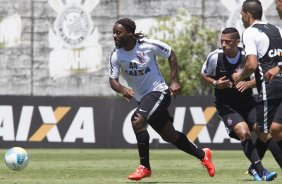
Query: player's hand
x,y
174,88
223,83
271,73
236,77
127,93
242,85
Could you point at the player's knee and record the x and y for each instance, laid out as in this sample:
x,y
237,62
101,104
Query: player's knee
x,y
264,137
276,132
138,122
244,135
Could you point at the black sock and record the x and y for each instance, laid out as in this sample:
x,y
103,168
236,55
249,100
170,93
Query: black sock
x,y
188,147
261,148
275,150
252,154
143,148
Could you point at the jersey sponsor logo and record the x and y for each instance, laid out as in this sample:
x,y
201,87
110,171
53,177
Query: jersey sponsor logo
x,y
135,71
279,75
138,72
275,52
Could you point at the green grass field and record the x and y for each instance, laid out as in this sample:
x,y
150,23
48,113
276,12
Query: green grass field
x,y
111,166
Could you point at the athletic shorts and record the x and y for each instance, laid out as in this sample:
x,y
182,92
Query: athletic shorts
x,y
153,107
269,111
232,115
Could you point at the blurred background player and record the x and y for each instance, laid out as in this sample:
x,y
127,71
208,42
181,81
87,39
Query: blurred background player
x,y
279,7
135,57
235,104
263,44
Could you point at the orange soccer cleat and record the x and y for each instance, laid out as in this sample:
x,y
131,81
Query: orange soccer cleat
x,y
207,162
139,173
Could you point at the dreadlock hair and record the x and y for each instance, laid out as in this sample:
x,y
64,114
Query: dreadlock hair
x,y
254,8
233,31
130,26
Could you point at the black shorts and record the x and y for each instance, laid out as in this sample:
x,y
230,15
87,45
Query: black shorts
x,y
153,107
269,111
234,114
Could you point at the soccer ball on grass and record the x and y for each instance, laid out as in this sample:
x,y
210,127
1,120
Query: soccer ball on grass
x,y
16,158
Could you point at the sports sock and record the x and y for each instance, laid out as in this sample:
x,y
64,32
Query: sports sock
x,y
275,150
252,154
188,147
261,148
143,148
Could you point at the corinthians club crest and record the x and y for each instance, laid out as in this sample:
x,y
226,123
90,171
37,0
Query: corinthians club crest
x,y
74,39
73,25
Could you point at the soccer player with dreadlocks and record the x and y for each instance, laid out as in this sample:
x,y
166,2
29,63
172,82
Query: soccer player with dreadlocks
x,y
135,57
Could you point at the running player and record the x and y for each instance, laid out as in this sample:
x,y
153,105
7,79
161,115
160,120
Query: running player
x,y
235,106
263,44
135,57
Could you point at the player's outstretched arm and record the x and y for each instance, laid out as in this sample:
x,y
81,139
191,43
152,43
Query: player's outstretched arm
x,y
174,85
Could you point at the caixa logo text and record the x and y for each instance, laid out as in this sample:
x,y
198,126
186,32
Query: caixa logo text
x,y
81,127
199,130
275,52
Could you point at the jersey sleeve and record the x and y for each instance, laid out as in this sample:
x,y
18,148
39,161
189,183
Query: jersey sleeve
x,y
209,66
250,42
160,48
114,66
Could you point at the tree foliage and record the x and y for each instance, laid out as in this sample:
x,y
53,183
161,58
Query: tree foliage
x,y
191,43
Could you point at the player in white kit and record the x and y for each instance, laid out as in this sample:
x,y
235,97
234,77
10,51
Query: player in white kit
x,y
135,57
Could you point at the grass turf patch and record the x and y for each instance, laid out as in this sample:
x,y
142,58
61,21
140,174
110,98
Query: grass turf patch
x,y
112,166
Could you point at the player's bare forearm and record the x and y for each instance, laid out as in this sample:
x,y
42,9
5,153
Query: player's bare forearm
x,y
250,67
174,84
245,73
208,79
116,86
173,67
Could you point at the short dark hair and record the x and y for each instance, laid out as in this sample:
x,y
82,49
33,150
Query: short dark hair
x,y
233,31
254,8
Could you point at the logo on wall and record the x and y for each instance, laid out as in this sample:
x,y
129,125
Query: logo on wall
x,y
10,31
73,26
74,39
82,126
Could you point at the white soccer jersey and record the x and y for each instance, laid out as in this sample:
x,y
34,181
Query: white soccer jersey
x,y
209,67
139,66
256,42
